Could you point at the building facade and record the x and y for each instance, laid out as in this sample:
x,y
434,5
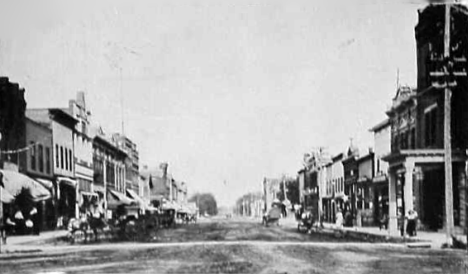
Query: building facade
x,y
364,190
12,120
131,163
416,164
351,175
37,163
382,147
83,158
109,173
62,125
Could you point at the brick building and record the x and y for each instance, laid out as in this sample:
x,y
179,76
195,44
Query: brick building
x,y
416,161
12,119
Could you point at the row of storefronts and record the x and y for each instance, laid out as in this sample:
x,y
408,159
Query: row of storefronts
x,y
405,170
59,152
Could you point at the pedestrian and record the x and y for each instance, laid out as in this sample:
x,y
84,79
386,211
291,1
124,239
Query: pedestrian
x,y
348,219
339,219
19,221
35,219
412,218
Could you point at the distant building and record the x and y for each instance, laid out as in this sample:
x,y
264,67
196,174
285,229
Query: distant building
x,y
382,147
109,171
163,187
37,163
310,185
62,125
364,190
131,163
351,174
83,158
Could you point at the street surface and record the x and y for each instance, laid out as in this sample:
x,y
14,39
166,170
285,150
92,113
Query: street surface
x,y
236,246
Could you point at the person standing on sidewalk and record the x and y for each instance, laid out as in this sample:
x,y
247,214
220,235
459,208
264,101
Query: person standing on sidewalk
x,y
35,219
339,219
412,221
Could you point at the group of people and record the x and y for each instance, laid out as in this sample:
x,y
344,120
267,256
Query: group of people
x,y
22,222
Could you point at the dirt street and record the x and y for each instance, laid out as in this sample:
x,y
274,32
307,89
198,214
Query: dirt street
x,y
236,246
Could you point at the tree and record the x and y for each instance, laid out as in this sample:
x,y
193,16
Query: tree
x,y
292,190
206,203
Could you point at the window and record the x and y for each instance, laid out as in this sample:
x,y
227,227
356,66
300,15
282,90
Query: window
x,y
430,125
40,156
61,157
57,156
66,159
413,138
33,156
47,155
70,156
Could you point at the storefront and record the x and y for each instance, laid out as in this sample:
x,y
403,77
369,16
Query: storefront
x,y
416,181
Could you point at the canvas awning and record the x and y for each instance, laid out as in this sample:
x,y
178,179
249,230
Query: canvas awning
x,y
15,181
132,194
120,198
6,196
66,181
46,183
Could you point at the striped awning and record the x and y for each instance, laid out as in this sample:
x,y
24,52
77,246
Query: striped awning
x,y
133,195
120,198
14,182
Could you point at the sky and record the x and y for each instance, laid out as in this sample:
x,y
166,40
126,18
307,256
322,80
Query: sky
x,y
226,92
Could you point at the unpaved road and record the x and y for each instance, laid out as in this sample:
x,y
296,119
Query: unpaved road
x,y
237,247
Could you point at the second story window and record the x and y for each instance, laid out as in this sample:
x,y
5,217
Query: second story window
x,y
57,160
70,159
40,156
47,156
430,126
33,156
61,157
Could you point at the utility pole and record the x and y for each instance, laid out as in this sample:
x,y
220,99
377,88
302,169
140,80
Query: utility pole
x,y
449,223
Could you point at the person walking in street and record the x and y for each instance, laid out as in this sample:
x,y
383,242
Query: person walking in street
x,y
339,219
412,218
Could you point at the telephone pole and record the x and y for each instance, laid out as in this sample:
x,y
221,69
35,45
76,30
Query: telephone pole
x,y
449,223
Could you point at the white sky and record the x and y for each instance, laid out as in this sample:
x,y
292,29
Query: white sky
x,y
222,90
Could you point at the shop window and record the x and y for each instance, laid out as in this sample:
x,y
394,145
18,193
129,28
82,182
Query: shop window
x,y
33,156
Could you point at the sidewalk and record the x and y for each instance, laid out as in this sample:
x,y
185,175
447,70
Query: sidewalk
x,y
436,239
31,243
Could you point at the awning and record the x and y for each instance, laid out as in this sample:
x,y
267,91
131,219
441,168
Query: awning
x,y
157,197
120,198
15,181
46,183
6,196
132,194
67,181
89,194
